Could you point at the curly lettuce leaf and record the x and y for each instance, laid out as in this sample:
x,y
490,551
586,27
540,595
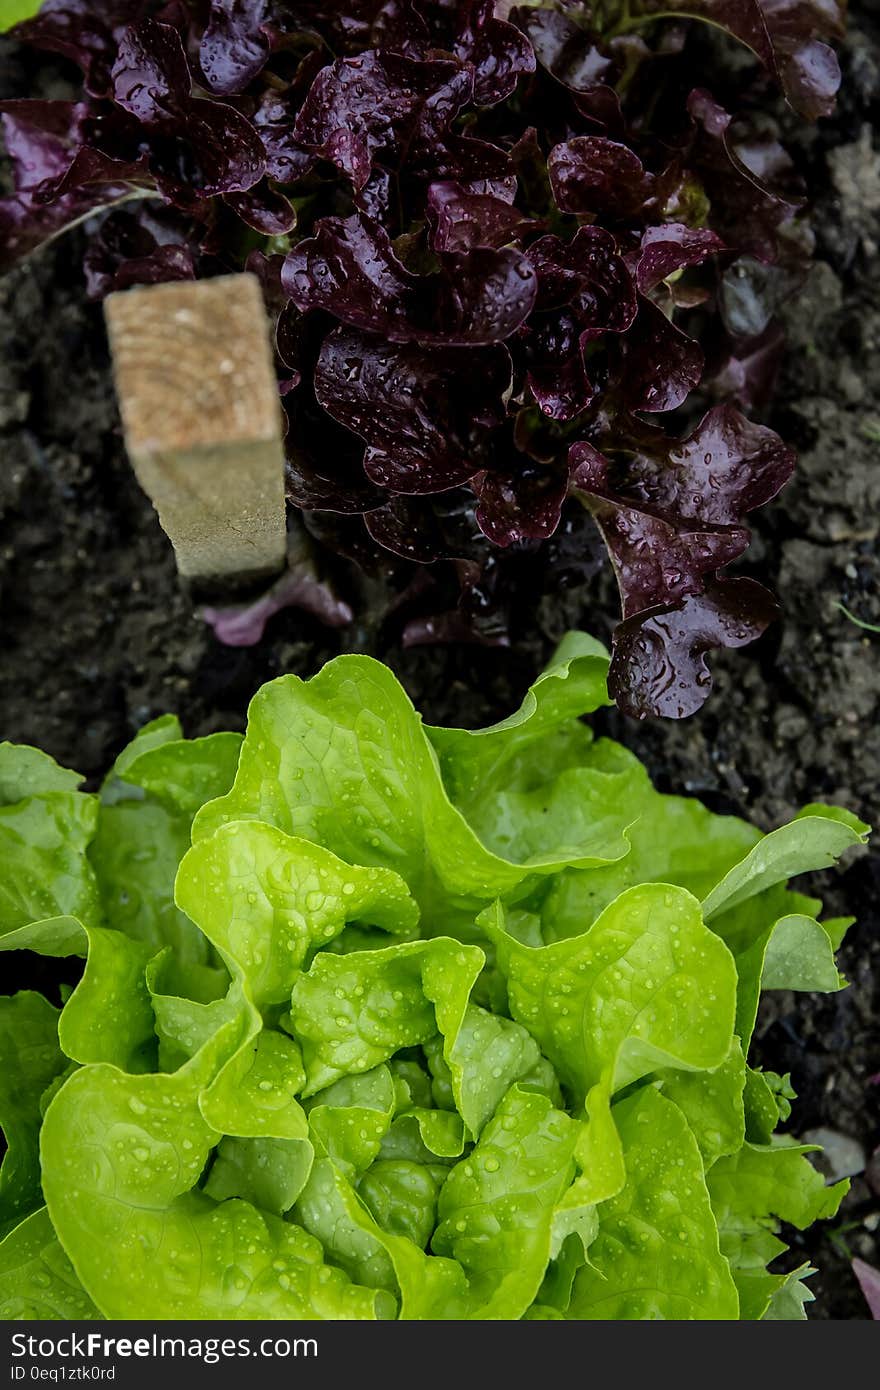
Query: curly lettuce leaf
x,y
30,1059
331,1211
401,1197
108,1016
800,956
267,1173
790,41
496,1208
752,1191
183,773
488,1054
815,839
172,1241
496,1212
476,762
713,1103
788,1300
343,760
648,985
423,1135
165,728
777,944
188,1008
361,1081
352,1012
37,1280
147,805
656,1254
267,901
672,839
43,840
265,1156
26,771
350,1119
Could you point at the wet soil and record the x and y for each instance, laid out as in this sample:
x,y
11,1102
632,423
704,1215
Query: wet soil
x,y
97,636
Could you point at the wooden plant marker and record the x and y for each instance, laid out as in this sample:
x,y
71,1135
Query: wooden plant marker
x,y
202,420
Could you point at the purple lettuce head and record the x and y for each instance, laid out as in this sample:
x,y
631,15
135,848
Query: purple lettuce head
x,y
499,244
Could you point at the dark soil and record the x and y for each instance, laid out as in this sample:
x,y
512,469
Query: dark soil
x,y
98,637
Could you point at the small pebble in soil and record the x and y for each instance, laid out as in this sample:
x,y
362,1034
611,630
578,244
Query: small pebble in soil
x,y
841,1156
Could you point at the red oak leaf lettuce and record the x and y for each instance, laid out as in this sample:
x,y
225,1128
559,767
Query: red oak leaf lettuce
x,y
584,291
197,148
498,243
41,139
672,516
235,44
349,269
463,217
427,416
86,33
499,54
591,174
787,36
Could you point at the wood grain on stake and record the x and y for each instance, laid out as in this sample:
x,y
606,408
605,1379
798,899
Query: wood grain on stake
x,y
199,402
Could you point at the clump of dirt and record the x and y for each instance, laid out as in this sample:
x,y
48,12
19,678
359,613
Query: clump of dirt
x,y
98,637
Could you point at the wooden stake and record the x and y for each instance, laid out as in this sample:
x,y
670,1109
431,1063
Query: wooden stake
x,y
202,420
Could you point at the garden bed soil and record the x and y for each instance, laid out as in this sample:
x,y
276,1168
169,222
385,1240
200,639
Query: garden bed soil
x,y
98,636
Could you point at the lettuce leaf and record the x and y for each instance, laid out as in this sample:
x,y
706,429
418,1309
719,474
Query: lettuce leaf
x,y
267,901
657,1252
752,1191
482,237
46,827
648,985
423,1024
146,809
16,11
344,761
32,1059
37,1279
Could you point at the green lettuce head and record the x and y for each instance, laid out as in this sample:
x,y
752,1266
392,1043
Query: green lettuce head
x,y
385,1021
